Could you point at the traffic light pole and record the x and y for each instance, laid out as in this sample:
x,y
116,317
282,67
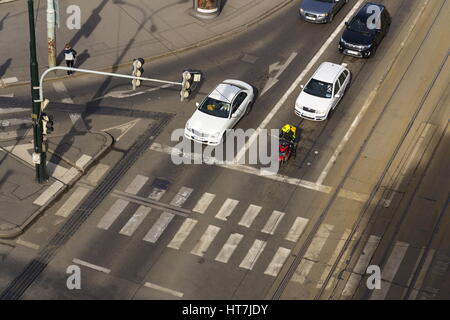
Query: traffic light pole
x,y
117,75
39,154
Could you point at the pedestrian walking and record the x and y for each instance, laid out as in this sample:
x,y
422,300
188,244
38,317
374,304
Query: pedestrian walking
x,y
69,55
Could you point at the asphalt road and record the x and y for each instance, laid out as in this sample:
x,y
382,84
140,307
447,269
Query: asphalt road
x,y
313,231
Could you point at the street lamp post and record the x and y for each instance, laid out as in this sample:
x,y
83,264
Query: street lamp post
x,y
39,157
51,38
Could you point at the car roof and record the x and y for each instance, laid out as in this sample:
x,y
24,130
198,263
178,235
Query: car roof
x,y
225,92
328,72
362,13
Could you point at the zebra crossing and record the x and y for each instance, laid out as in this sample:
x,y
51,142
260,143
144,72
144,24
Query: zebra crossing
x,y
227,245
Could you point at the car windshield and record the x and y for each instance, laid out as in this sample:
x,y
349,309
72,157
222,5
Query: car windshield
x,y
319,89
359,25
215,107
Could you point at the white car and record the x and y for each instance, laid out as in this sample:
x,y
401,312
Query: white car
x,y
322,92
219,111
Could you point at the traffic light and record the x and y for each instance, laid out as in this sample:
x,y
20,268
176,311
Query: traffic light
x,y
137,72
189,82
47,123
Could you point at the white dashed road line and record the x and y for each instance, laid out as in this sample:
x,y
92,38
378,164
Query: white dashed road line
x,y
166,290
91,266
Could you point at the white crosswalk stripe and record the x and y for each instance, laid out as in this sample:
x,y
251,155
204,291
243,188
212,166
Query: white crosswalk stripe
x,y
141,213
164,219
205,241
73,201
297,229
390,269
249,216
361,266
204,202
421,277
61,89
111,215
277,261
79,193
228,248
312,253
333,257
253,254
272,222
227,208
182,233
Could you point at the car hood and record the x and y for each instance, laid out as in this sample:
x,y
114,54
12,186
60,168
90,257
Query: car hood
x,y
206,123
357,38
315,6
313,102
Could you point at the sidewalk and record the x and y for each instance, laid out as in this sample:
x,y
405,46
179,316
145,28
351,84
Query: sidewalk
x,y
22,199
113,34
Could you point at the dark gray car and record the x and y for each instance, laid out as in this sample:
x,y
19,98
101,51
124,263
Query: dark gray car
x,y
320,11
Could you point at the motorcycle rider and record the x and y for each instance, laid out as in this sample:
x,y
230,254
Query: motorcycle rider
x,y
288,133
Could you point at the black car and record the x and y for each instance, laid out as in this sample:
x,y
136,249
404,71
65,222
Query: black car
x,y
320,11
365,31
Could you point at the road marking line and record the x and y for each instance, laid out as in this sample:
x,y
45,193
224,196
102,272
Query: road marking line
x,y
253,254
227,208
297,229
204,202
13,110
111,215
27,244
165,218
390,269
66,209
421,277
312,253
277,261
272,222
205,241
249,216
47,194
276,66
158,227
405,169
333,258
9,80
124,128
78,122
8,95
361,266
408,283
92,266
97,173
182,233
130,93
228,248
341,262
141,213
166,290
61,89
296,83
83,161
15,122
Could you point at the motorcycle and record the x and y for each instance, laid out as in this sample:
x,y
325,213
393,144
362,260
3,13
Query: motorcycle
x,y
287,146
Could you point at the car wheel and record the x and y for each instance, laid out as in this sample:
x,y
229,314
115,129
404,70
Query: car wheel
x,y
250,106
330,19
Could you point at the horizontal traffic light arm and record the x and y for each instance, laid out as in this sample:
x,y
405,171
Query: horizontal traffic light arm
x,y
118,75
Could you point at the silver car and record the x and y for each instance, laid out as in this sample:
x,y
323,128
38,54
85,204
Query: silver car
x,y
320,11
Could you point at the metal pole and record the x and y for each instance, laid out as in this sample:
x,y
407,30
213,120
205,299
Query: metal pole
x,y
41,174
51,38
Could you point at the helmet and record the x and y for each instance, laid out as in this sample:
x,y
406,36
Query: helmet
x,y
286,128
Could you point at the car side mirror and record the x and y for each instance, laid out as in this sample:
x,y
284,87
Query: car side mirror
x,y
234,115
346,23
378,30
337,95
197,104
302,86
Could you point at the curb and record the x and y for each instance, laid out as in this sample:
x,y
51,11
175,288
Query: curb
x,y
174,52
6,1
17,230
